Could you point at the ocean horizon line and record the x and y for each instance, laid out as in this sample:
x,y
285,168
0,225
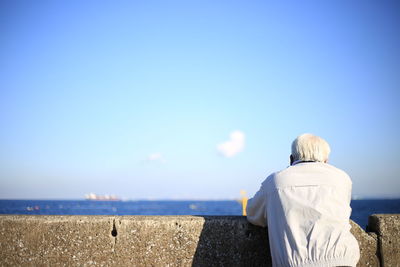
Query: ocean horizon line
x,y
384,197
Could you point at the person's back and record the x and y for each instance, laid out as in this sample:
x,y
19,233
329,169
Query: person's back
x,y
307,210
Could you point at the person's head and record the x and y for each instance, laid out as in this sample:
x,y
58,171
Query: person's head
x,y
309,147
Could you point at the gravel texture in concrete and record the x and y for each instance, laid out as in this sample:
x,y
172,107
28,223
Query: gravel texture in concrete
x,y
387,228
160,241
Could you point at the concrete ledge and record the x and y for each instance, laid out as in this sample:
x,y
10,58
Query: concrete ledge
x,y
146,241
387,227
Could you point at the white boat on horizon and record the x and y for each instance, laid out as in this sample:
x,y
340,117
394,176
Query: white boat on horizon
x,y
93,196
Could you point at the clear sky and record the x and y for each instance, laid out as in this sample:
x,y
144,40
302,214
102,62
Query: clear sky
x,y
193,99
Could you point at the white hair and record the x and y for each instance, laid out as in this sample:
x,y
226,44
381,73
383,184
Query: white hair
x,y
309,147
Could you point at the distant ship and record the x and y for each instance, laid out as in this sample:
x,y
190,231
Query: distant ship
x,y
93,196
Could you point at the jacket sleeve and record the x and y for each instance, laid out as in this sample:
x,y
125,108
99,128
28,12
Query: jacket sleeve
x,y
349,193
256,209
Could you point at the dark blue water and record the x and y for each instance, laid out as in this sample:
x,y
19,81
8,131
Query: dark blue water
x,y
86,207
361,208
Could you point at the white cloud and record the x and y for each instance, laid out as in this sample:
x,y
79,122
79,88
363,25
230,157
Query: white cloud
x,y
156,157
233,146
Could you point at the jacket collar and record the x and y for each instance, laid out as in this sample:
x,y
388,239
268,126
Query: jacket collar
x,y
302,161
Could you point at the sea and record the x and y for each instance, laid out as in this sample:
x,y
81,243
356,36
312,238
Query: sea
x,y
361,209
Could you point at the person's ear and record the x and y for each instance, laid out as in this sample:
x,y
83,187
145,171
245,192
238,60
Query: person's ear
x,y
291,159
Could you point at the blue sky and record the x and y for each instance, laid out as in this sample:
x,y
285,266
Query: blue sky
x,y
138,98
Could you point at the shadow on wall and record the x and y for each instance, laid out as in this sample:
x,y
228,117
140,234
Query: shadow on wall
x,y
247,245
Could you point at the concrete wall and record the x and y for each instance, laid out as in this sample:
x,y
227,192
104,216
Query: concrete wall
x,y
163,241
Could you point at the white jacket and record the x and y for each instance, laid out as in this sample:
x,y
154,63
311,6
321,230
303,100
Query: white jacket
x,y
307,210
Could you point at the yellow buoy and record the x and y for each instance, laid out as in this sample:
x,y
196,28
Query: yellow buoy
x,y
243,199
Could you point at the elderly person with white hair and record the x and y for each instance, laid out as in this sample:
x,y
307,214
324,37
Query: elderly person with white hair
x,y
307,209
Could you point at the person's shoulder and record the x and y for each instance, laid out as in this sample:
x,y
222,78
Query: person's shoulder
x,y
334,168
273,177
270,179
337,171
284,171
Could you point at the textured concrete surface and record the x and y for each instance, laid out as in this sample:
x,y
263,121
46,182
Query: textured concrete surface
x,y
147,241
191,240
368,246
387,227
46,240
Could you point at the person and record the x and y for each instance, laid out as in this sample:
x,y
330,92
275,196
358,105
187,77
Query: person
x,y
306,208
